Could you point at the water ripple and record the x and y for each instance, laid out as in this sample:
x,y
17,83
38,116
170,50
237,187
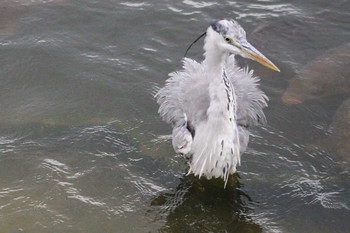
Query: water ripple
x,y
313,191
6,144
55,166
74,194
258,11
199,4
145,186
138,5
9,191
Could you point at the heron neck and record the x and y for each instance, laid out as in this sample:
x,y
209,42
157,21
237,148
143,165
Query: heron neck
x,y
214,57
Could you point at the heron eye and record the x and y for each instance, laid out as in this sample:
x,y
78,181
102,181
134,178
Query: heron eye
x,y
227,39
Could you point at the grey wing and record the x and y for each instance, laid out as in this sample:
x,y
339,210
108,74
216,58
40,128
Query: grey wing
x,y
183,103
182,137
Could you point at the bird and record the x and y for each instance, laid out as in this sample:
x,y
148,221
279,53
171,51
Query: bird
x,y
212,105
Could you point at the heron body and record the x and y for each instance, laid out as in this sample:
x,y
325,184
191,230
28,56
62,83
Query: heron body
x,y
211,105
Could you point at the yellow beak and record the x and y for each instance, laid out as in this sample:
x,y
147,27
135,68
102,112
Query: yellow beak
x,y
249,51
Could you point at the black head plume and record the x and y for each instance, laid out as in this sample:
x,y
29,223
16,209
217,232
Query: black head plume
x,y
194,42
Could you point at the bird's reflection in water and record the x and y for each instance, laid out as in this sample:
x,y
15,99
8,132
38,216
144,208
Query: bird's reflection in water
x,y
200,205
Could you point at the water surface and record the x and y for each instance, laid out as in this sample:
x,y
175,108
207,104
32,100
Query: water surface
x,y
82,148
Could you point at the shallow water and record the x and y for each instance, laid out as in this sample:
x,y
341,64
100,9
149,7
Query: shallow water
x,y
84,150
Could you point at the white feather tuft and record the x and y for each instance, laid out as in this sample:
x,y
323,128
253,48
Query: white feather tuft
x,y
187,98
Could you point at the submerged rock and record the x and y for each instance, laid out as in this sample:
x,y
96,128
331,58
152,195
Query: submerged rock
x,y
13,11
10,14
325,76
339,137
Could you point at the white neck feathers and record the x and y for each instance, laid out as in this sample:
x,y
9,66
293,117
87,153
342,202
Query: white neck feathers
x,y
215,55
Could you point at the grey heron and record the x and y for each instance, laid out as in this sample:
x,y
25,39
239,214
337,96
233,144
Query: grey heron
x,y
212,105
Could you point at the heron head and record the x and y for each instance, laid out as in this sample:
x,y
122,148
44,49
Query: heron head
x,y
231,37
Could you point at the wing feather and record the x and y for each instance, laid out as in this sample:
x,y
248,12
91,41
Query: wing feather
x,y
185,93
250,99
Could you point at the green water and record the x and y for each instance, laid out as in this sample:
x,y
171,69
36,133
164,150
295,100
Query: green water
x,y
82,148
